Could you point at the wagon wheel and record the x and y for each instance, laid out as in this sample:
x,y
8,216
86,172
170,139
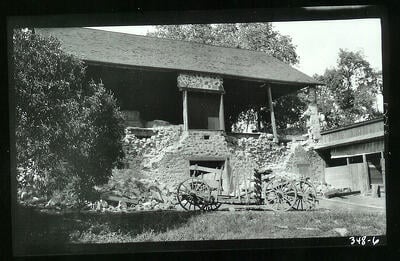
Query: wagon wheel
x,y
280,194
212,205
193,194
306,195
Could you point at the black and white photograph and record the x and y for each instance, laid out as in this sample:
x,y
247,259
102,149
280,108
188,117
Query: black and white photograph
x,y
197,132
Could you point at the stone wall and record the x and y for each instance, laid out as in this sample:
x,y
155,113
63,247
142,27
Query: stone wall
x,y
313,122
165,156
265,152
173,165
200,81
303,156
139,151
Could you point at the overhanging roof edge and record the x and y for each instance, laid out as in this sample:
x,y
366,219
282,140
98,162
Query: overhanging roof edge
x,y
127,66
174,54
353,140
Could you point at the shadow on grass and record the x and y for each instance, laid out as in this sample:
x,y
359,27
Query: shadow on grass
x,y
39,232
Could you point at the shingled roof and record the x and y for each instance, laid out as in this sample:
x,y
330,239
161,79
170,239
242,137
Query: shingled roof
x,y
141,51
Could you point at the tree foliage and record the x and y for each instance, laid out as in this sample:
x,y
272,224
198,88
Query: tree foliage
x,y
250,36
289,109
68,132
350,91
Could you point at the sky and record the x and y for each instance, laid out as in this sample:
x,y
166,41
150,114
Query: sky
x,y
317,42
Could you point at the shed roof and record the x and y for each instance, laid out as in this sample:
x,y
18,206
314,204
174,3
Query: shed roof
x,y
353,125
352,134
150,52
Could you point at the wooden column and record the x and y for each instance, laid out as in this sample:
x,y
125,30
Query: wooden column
x,y
353,183
221,113
365,176
383,169
271,110
227,181
185,111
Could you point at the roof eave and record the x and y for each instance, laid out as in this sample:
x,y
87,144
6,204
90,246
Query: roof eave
x,y
256,79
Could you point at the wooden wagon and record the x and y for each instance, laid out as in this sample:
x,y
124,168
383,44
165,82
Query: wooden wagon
x,y
204,190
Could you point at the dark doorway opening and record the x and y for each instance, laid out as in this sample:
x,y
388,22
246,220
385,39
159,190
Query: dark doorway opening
x,y
145,95
334,162
212,164
375,168
212,172
355,159
203,110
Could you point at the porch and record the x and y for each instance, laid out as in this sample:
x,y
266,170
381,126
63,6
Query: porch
x,y
160,81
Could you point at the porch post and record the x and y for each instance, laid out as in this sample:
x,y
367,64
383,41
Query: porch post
x,y
349,172
271,109
221,113
383,169
365,176
185,111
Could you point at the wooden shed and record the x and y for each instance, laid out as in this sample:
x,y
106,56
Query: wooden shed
x,y
354,156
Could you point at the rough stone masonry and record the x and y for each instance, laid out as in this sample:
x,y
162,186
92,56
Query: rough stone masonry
x,y
166,156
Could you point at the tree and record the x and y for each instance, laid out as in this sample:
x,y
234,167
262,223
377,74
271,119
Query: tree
x,y
68,132
250,36
350,91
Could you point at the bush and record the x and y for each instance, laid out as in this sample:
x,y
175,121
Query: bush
x,y
67,131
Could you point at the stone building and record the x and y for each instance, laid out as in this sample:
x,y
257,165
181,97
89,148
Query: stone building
x,y
193,88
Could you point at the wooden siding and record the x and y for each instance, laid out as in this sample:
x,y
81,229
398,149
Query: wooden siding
x,y
359,177
358,149
348,176
376,176
352,134
338,177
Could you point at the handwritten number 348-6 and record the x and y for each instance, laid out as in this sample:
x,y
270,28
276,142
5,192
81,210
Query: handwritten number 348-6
x,y
363,240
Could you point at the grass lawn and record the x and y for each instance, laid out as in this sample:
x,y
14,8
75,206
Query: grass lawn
x,y
245,225
34,228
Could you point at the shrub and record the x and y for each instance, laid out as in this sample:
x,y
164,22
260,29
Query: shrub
x,y
67,131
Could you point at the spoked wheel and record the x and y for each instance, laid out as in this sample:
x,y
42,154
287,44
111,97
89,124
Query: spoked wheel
x,y
280,194
193,194
212,205
306,196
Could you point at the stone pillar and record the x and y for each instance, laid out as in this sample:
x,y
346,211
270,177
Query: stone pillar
x,y
323,179
313,122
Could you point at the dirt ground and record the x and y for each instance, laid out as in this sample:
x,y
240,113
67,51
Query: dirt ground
x,y
354,202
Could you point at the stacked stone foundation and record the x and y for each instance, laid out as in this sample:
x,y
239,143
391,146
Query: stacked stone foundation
x,y
166,156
